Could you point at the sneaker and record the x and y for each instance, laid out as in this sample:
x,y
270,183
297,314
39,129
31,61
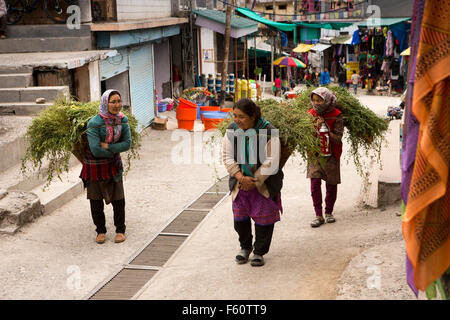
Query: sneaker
x,y
120,237
329,218
317,222
101,237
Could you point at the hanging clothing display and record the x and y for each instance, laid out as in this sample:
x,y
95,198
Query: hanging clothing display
x,y
426,215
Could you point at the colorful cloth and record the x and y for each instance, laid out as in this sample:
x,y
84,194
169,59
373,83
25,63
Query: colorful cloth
x,y
426,220
100,169
113,126
264,211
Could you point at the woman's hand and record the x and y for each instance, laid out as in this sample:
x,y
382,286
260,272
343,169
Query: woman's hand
x,y
104,145
319,121
247,183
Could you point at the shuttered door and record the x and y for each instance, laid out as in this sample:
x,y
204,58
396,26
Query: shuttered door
x,y
142,84
114,65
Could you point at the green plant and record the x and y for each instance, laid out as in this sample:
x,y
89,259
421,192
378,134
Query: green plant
x,y
365,130
59,130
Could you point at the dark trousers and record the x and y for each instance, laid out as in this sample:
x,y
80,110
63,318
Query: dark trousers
x,y
98,215
316,193
263,236
3,25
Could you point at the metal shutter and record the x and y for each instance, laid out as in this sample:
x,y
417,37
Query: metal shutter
x,y
142,84
114,65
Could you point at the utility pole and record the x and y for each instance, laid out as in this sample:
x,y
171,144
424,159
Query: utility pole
x,y
226,53
272,48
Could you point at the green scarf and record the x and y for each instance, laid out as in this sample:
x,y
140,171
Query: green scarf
x,y
245,146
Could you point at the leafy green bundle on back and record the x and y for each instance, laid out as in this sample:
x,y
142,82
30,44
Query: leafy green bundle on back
x,y
60,131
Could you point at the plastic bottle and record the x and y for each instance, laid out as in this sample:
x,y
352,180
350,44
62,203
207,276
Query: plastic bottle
x,y
324,135
238,90
244,88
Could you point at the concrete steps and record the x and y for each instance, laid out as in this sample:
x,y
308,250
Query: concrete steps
x,y
26,197
13,70
47,30
16,80
46,38
22,108
30,94
20,45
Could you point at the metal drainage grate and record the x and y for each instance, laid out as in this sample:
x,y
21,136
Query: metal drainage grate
x,y
126,283
186,222
158,251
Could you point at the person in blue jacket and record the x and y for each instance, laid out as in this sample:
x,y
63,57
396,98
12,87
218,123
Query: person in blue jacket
x,y
325,77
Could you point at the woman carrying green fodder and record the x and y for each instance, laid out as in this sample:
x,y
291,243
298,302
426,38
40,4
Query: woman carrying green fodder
x,y
108,134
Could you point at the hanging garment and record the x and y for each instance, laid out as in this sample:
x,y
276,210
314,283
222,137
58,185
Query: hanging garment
x,y
355,38
425,224
389,44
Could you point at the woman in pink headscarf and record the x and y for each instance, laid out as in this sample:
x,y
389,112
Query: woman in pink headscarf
x,y
325,112
108,134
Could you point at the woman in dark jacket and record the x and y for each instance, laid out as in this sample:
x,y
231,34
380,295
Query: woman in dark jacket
x,y
255,179
108,134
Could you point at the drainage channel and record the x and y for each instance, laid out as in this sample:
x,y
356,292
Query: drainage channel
x,y
129,280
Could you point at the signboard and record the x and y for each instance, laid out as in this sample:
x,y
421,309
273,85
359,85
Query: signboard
x,y
350,66
208,55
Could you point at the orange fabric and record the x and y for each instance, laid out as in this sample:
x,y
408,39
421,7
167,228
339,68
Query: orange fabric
x,y
426,222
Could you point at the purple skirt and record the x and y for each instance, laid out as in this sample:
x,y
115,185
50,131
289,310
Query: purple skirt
x,y
264,211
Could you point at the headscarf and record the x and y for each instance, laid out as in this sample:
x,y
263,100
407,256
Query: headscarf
x,y
111,121
329,100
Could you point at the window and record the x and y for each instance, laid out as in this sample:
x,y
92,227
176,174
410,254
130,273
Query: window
x,y
282,7
269,7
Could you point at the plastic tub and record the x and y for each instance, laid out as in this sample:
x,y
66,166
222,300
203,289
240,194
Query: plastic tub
x,y
186,114
204,109
212,119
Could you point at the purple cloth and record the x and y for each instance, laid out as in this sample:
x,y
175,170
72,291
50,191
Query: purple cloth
x,y
264,211
316,194
411,129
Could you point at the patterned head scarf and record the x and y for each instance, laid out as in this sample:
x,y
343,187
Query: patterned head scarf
x,y
113,126
329,100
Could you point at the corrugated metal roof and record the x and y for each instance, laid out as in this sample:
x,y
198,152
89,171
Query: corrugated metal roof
x,y
220,16
320,47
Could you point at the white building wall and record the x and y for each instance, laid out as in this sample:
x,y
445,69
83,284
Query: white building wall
x,y
207,42
142,9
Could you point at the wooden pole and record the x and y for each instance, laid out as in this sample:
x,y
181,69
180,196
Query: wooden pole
x,y
226,53
256,67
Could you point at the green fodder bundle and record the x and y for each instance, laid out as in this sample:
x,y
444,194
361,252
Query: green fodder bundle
x,y
60,131
365,130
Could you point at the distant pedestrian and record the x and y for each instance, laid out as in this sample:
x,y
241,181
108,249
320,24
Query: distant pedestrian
x,y
342,78
255,187
3,19
308,79
108,134
325,77
277,86
355,81
324,110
